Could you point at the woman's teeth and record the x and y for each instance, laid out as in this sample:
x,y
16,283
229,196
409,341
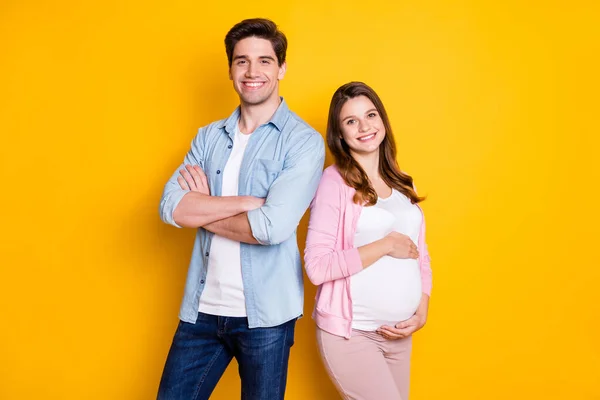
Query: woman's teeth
x,y
364,138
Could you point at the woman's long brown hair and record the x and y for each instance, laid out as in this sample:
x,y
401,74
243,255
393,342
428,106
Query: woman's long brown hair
x,y
349,168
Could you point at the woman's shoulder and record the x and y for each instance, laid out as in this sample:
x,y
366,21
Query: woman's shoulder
x,y
332,174
333,179
332,182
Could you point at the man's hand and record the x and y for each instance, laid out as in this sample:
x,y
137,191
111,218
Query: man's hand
x,y
402,329
193,178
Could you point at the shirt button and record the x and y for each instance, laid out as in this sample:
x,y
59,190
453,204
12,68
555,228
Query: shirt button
x,y
218,171
230,146
206,254
202,282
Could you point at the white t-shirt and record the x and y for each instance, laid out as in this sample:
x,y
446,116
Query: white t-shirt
x,y
388,291
224,291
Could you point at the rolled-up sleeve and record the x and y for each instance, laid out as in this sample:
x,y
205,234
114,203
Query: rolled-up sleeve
x,y
173,193
291,193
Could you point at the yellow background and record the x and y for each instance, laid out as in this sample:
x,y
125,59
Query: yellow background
x,y
495,111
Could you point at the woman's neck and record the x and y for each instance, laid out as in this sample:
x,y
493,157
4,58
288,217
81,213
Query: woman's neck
x,y
369,163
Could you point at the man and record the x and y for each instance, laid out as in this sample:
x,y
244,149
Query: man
x,y
245,184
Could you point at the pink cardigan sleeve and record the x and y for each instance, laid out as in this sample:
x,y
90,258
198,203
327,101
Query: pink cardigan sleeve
x,y
324,257
425,265
424,259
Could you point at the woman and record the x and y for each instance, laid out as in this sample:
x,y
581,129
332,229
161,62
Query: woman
x,y
366,250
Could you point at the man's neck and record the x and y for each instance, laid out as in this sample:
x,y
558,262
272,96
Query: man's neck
x,y
253,116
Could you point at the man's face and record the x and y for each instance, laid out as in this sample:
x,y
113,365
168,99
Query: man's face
x,y
254,71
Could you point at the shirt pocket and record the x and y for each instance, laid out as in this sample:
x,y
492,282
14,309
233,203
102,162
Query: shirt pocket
x,y
264,173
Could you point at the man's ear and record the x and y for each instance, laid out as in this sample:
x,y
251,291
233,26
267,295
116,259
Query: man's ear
x,y
282,69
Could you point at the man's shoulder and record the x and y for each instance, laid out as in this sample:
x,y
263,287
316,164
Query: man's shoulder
x,y
297,127
213,126
208,133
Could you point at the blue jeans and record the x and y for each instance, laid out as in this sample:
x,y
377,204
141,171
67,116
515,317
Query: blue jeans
x,y
201,352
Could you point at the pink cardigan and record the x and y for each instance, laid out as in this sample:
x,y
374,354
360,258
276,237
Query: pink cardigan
x,y
330,257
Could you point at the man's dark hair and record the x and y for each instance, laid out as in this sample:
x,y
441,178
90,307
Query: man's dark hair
x,y
260,28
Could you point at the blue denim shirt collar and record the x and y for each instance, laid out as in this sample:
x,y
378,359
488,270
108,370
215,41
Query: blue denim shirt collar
x,y
278,119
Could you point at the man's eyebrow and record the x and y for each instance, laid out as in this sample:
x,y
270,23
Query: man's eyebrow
x,y
246,57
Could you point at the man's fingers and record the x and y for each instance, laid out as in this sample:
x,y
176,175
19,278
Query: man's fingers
x,y
188,178
199,170
195,175
203,179
182,183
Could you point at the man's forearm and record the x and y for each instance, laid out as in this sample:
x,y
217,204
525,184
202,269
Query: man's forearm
x,y
235,228
197,209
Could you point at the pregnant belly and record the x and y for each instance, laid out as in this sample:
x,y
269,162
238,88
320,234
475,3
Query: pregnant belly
x,y
387,292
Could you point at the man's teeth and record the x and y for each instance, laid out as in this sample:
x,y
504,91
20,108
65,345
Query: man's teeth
x,y
253,84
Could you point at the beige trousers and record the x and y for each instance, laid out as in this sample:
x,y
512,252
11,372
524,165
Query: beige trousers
x,y
367,366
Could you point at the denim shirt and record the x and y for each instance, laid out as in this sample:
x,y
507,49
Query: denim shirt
x,y
283,163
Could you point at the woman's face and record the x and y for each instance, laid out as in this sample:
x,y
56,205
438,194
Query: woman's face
x,y
361,125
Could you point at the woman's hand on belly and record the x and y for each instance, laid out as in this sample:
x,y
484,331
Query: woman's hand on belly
x,y
408,327
401,246
402,329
